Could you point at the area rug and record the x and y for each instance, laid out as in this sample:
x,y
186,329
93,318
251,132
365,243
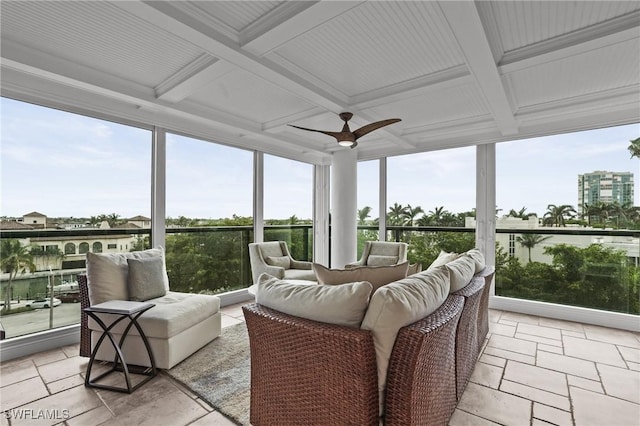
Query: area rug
x,y
219,373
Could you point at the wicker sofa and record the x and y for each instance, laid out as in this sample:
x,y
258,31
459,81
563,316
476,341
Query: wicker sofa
x,y
310,372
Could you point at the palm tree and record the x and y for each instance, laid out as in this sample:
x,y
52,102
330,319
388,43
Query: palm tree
x,y
411,213
634,148
396,214
437,215
556,215
530,241
14,258
363,214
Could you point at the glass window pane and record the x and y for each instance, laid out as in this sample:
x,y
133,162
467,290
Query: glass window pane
x,y
288,204
368,202
209,186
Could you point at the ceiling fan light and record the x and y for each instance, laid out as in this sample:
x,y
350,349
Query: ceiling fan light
x,y
345,143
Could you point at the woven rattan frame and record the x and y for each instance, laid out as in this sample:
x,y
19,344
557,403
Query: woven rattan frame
x,y
483,311
467,348
85,333
421,382
305,372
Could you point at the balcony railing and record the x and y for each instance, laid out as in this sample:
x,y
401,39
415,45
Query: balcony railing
x,y
579,267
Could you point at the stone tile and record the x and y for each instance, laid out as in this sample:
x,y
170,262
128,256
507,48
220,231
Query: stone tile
x,y
204,404
121,403
536,330
501,353
620,382
635,366
494,315
13,372
579,335
71,350
605,353
502,329
586,384
592,409
496,406
537,377
73,402
66,383
552,415
537,395
630,354
563,325
487,375
97,416
172,408
234,310
508,323
512,344
228,321
22,392
553,349
611,335
47,357
493,360
213,419
462,418
64,368
518,318
538,339
566,364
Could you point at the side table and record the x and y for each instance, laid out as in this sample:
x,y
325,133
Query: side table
x,y
123,309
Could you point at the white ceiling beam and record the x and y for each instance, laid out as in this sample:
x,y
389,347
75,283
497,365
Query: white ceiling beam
x,y
464,21
166,16
597,36
192,78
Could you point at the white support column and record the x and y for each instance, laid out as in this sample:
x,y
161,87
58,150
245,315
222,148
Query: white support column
x,y
258,197
486,201
321,193
158,186
382,206
344,210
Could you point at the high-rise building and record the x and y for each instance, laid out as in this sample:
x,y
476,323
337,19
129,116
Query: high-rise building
x,y
606,187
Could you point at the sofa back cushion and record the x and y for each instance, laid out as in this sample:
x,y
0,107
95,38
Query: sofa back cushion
x,y
107,274
399,304
442,259
461,272
271,248
342,304
380,260
376,275
281,261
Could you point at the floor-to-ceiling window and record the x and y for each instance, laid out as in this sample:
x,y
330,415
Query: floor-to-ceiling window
x,y
427,193
568,227
288,204
64,175
368,202
209,205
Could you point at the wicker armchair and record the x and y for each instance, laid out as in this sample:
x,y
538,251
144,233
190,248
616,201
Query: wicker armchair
x,y
307,372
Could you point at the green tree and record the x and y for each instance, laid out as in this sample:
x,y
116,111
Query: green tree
x,y
14,259
558,215
410,214
530,241
522,213
634,147
397,214
363,214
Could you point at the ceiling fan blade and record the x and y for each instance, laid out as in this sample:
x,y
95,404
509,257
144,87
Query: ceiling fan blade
x,y
334,134
374,126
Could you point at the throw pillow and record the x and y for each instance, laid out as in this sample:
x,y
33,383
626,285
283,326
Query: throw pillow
x,y
462,270
399,304
478,257
146,279
442,259
376,275
378,260
107,274
342,305
281,261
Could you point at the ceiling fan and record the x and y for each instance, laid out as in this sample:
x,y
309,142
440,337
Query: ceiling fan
x,y
348,138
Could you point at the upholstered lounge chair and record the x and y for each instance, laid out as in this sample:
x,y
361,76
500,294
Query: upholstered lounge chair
x,y
381,253
274,258
178,325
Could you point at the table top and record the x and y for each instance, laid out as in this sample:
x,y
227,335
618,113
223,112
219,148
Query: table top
x,y
123,307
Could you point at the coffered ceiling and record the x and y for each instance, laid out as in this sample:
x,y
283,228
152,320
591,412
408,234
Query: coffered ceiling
x,y
457,73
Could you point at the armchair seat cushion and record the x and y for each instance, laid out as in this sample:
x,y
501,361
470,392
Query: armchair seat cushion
x,y
172,314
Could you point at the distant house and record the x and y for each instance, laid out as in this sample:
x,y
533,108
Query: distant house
x,y
35,219
140,221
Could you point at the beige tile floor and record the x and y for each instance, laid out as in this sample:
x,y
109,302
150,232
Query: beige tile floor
x,y
533,371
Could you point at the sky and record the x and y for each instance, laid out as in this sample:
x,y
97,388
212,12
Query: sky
x,y
66,165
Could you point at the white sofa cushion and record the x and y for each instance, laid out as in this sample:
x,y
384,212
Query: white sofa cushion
x,y
107,274
442,259
376,275
399,304
281,261
145,279
342,305
172,314
381,260
462,270
299,274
